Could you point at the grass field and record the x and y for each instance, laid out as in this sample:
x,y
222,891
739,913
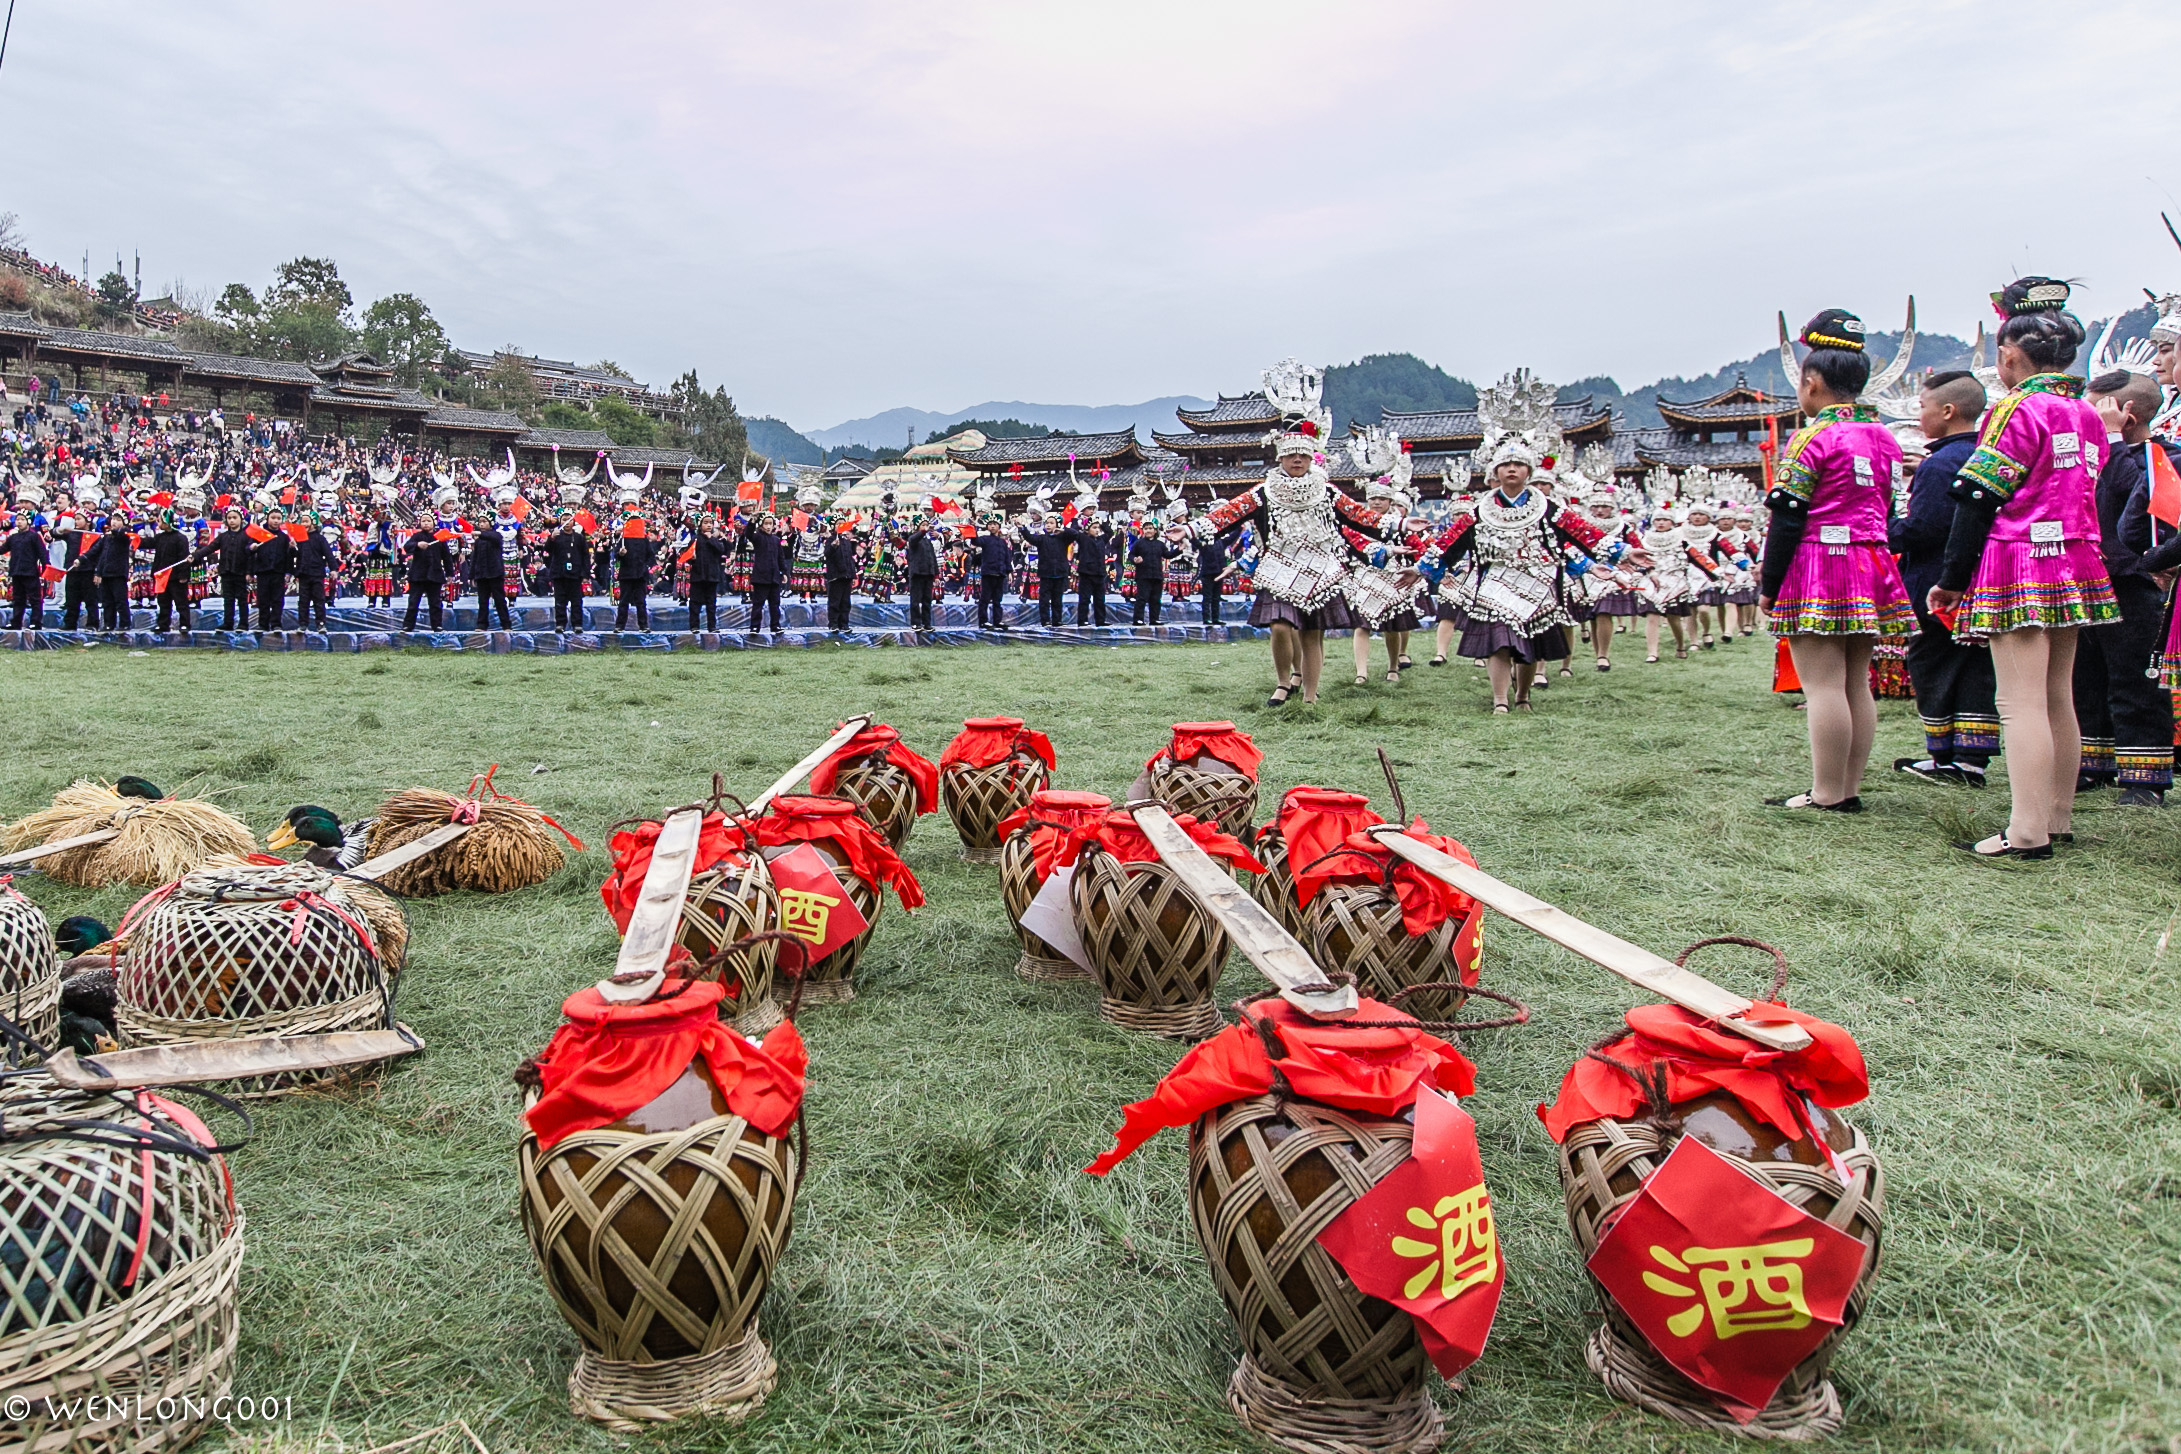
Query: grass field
x,y
954,1282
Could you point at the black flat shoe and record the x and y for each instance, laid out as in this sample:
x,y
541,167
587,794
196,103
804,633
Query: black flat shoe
x,y
1804,800
1931,771
2005,849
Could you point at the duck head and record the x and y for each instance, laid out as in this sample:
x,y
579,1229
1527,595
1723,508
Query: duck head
x,y
136,787
307,823
79,934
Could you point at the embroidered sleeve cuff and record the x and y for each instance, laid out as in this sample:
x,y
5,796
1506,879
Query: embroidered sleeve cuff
x,y
1784,500
1989,476
1794,480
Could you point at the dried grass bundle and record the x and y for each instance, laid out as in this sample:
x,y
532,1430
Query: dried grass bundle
x,y
158,842
512,847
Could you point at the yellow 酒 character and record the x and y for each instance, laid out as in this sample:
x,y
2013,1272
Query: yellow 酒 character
x,y
1745,1290
1467,1254
804,913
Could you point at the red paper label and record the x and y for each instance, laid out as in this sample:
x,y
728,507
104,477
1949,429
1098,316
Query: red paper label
x,y
1732,1283
1424,1238
814,907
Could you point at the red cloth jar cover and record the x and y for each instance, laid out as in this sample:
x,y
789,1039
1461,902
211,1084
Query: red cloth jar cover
x,y
632,849
1699,1059
921,770
794,819
1053,812
1312,822
1118,835
986,740
1426,901
1220,739
1376,1070
608,1060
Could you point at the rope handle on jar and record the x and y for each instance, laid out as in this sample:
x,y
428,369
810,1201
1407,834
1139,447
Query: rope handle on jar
x,y
1779,959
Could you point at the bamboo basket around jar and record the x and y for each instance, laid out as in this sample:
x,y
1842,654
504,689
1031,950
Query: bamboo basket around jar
x,y
658,1234
1325,1366
977,798
1603,1166
733,900
1357,927
1207,789
1155,953
884,793
1054,810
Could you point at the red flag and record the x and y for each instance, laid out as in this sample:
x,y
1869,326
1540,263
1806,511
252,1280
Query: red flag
x,y
298,531
750,490
258,533
799,520
586,522
159,580
53,574
1424,1238
1067,514
2165,486
846,525
287,496
813,905
1732,1283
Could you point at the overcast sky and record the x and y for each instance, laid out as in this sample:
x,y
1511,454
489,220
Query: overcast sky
x,y
834,208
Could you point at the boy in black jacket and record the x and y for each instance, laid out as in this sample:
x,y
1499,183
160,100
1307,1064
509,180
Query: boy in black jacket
x,y
78,595
637,555
271,561
488,572
1149,553
25,547
840,579
567,566
230,552
431,561
170,553
315,560
116,548
2126,716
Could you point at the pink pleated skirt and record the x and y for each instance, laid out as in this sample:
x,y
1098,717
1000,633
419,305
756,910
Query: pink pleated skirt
x,y
1854,592
2015,587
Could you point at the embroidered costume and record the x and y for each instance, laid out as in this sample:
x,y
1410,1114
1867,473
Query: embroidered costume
x,y
1507,572
1840,472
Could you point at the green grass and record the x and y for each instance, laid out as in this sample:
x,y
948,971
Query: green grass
x,y
954,1282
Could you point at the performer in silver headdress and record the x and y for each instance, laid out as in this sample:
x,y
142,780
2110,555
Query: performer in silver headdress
x,y
1305,562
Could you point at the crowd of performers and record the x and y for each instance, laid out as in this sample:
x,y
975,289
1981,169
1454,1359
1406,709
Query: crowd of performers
x,y
2027,518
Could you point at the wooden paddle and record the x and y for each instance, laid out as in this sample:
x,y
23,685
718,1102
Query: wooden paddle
x,y
824,750
202,1060
58,845
1637,965
410,852
641,965
1256,933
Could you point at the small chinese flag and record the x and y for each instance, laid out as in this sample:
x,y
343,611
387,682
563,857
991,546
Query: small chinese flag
x,y
688,553
750,490
52,573
813,905
799,520
1067,514
1424,1239
1732,1283
297,531
586,522
159,580
287,496
259,534
518,509
846,525
442,535
2165,486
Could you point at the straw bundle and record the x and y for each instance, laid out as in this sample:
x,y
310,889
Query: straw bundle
x,y
158,842
512,847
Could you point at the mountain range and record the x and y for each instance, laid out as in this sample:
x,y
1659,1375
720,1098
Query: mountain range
x,y
1355,393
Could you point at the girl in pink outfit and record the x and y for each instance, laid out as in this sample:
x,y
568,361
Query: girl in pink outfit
x,y
2022,565
1830,584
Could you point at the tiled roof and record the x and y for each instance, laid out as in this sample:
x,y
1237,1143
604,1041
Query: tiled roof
x,y
109,345
254,370
474,421
1199,443
1232,412
1574,416
22,325
1717,413
848,468
1721,454
592,439
367,396
1738,392
1117,448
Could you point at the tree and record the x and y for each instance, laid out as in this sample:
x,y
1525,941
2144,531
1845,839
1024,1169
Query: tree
x,y
236,306
621,419
309,282
401,332
11,232
116,296
608,366
709,426
510,384
560,414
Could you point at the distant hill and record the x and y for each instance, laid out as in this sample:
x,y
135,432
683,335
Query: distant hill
x,y
894,428
1354,393
774,439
